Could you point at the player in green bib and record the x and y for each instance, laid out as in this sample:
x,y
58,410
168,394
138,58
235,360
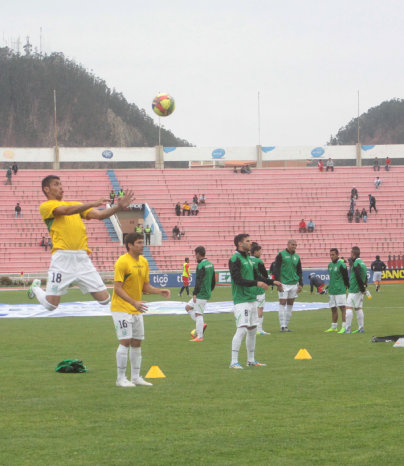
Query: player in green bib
x,y
244,280
288,270
204,285
357,288
259,266
339,282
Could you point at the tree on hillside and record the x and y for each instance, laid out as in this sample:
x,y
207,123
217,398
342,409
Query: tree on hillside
x,y
383,124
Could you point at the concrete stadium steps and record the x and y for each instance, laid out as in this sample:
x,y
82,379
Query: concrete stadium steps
x,y
21,237
269,204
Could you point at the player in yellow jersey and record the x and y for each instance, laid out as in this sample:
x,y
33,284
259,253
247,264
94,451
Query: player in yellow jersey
x,y
131,280
70,254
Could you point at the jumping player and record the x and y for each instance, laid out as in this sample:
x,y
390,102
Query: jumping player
x,y
70,261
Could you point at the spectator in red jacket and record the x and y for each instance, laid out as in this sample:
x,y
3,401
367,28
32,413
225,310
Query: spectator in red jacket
x,y
302,226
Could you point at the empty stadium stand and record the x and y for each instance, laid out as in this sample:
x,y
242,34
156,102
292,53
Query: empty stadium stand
x,y
268,204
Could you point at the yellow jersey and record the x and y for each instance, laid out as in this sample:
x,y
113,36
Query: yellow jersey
x,y
68,232
133,274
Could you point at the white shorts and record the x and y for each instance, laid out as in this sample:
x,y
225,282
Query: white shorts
x,y
68,267
377,276
246,314
261,300
289,291
128,325
337,300
355,300
199,306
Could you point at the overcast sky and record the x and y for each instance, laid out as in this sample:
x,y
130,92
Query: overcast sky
x,y
307,59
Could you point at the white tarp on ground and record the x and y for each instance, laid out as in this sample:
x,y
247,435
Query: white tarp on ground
x,y
93,309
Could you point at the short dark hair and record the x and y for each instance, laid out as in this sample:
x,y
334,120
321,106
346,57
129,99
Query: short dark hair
x,y
240,237
187,259
378,258
47,181
131,238
335,250
356,251
201,251
255,247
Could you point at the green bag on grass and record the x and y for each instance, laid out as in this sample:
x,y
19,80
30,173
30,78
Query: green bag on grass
x,y
71,366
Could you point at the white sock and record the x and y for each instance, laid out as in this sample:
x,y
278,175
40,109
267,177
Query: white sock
x,y
199,326
334,325
41,297
135,361
282,315
250,344
236,343
348,318
343,325
360,318
192,315
121,361
289,308
260,322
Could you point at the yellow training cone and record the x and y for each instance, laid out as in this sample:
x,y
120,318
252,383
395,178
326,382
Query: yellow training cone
x,y
303,354
155,373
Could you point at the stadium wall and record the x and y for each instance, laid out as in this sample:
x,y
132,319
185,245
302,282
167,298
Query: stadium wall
x,y
183,157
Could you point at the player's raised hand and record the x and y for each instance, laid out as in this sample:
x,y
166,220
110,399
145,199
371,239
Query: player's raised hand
x,y
126,200
101,201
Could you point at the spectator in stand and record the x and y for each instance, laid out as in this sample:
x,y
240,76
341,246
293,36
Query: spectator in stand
x,y
9,175
49,244
357,216
235,169
372,203
320,165
377,182
354,193
44,243
202,199
329,165
14,167
376,165
310,226
364,215
178,209
350,216
147,233
112,197
243,170
121,193
352,205
17,210
247,169
388,163
195,199
186,208
302,226
176,233
194,209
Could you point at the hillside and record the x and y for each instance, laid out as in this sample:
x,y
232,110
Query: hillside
x,y
383,124
89,114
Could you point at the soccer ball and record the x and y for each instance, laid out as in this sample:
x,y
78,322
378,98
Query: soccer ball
x,y
193,333
163,105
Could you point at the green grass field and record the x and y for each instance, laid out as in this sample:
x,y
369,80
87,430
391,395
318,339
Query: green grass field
x,y
342,407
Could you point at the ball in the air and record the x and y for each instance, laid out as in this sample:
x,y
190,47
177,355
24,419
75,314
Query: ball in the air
x,y
163,105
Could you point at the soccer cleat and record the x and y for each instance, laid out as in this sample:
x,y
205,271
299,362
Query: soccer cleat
x,y
35,283
359,330
262,332
285,329
124,383
331,330
196,339
343,330
255,363
347,330
236,365
141,381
